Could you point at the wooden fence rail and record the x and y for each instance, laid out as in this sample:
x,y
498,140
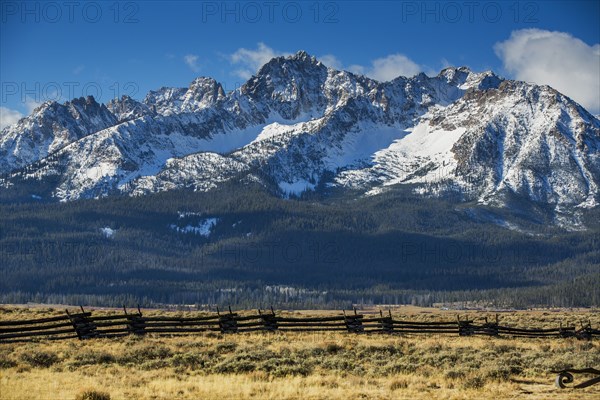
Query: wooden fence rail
x,y
84,325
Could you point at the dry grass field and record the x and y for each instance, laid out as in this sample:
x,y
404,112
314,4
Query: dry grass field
x,y
300,365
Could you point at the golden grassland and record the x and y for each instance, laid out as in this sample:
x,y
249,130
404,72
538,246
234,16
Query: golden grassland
x,y
301,365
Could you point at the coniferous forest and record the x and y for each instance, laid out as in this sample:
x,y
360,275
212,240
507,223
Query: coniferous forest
x,y
250,248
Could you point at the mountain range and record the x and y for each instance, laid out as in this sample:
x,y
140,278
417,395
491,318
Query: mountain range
x,y
298,127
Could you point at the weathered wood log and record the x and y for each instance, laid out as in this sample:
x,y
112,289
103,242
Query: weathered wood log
x,y
190,319
316,319
407,326
312,329
269,322
287,324
248,318
533,330
490,329
108,317
354,323
453,323
386,324
181,330
228,323
37,333
41,320
431,330
35,328
465,328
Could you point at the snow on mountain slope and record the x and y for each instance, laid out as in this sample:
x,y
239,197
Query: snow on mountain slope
x,y
202,93
128,151
50,127
518,139
205,170
421,154
527,140
203,228
199,172
170,121
126,109
301,124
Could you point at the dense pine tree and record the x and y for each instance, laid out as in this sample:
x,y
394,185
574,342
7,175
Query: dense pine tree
x,y
320,250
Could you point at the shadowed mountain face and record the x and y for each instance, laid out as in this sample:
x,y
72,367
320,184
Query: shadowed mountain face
x,y
298,126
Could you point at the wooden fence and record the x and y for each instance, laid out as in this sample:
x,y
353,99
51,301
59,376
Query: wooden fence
x,y
84,325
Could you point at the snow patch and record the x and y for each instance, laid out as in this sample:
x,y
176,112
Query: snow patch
x,y
361,144
184,214
295,188
424,141
204,228
108,232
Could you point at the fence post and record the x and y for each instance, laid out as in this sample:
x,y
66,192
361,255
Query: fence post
x,y
566,332
585,333
74,324
269,321
464,327
354,322
387,326
84,328
227,322
136,323
491,328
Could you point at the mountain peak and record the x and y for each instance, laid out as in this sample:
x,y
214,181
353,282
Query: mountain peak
x,y
455,74
203,80
88,100
289,85
299,122
205,84
203,92
42,107
464,78
462,68
301,60
87,105
126,108
303,55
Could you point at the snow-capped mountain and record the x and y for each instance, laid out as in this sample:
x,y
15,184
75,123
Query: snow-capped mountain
x,y
516,139
50,127
202,93
300,124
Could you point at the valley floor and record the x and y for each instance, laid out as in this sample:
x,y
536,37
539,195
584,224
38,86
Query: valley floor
x,y
298,365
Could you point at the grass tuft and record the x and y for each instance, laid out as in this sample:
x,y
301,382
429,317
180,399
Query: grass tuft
x,y
92,395
40,359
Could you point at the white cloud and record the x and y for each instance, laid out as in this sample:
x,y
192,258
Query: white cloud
x,y
387,68
32,104
192,61
9,117
392,66
243,73
557,59
250,61
445,63
382,69
331,61
357,69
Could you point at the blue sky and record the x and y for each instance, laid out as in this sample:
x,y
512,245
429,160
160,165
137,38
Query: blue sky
x,y
53,50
